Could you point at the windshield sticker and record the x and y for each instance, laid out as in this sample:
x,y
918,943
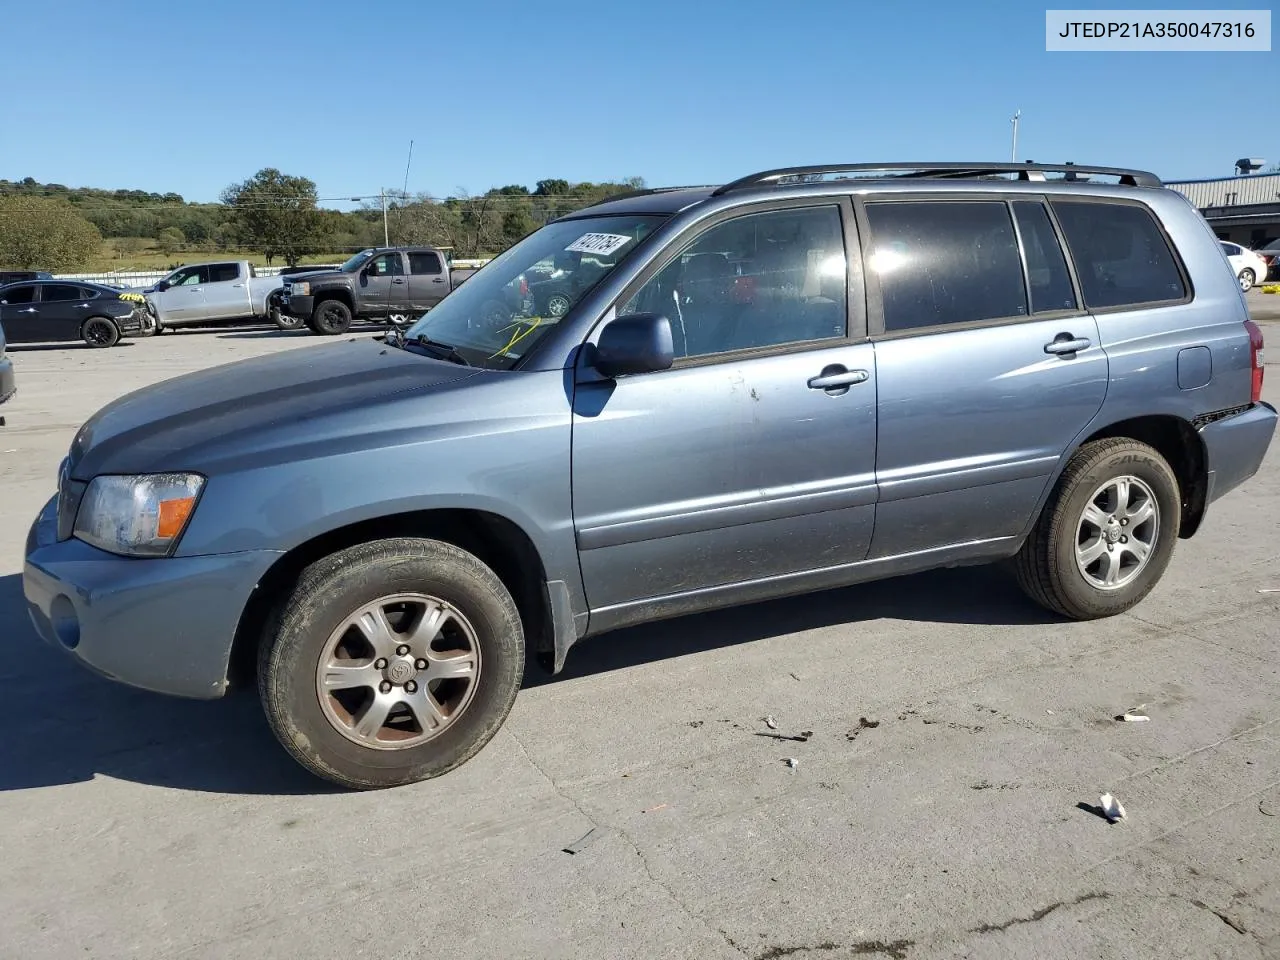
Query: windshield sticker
x,y
602,244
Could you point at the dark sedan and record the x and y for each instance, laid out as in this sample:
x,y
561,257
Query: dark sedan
x,y
45,311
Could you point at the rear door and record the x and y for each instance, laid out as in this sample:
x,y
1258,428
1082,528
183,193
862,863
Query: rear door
x,y
63,308
428,282
226,293
384,288
988,367
19,312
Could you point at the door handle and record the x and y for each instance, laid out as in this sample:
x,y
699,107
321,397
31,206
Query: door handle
x,y
1065,343
837,379
438,280
82,306
197,289
238,285
398,280
29,310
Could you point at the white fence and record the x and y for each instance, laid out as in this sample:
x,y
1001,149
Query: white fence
x,y
145,278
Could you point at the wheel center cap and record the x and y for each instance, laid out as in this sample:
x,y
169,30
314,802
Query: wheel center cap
x,y
400,672
1113,534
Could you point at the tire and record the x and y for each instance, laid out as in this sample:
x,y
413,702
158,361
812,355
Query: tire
x,y
1050,567
558,305
1247,280
331,318
321,728
285,321
100,332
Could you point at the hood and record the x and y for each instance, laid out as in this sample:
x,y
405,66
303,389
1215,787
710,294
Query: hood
x,y
315,275
207,420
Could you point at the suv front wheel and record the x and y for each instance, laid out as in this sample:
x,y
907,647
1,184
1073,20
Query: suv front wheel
x,y
394,661
1107,533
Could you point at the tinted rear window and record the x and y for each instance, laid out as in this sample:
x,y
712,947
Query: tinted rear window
x,y
1120,254
1047,274
26,294
60,293
945,263
224,272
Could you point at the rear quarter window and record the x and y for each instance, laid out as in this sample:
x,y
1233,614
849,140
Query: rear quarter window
x,y
1121,254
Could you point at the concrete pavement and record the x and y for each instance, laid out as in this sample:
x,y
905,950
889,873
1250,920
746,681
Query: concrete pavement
x,y
939,808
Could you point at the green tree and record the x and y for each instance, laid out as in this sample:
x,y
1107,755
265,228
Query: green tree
x,y
276,213
40,234
172,239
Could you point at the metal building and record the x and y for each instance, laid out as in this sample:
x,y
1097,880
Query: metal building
x,y
1244,210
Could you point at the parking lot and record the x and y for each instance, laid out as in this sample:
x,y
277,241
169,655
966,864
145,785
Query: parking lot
x,y
951,739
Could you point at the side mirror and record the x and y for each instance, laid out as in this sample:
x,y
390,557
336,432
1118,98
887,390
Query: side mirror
x,y
162,286
635,343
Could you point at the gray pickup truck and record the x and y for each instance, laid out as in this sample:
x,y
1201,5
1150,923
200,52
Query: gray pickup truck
x,y
396,284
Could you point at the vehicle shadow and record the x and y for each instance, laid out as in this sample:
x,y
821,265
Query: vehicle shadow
x,y
67,725
64,345
968,595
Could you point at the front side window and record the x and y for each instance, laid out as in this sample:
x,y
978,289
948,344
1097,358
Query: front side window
x,y
60,293
189,277
224,272
761,280
945,262
1121,256
386,265
508,305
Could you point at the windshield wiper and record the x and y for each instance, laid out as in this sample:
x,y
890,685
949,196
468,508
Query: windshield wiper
x,y
444,351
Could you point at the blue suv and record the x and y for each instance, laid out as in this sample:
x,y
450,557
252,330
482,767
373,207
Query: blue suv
x,y
803,379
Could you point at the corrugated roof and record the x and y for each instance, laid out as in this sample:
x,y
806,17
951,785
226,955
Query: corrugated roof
x,y
1230,191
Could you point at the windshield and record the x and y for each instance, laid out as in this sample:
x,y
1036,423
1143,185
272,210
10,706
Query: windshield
x,y
495,318
353,264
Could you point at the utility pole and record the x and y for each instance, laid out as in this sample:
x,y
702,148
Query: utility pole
x,y
386,232
1014,120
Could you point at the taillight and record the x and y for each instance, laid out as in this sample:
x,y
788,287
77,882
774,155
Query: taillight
x,y
1256,361
524,286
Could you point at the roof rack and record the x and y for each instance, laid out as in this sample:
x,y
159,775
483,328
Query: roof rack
x,y
934,171
649,191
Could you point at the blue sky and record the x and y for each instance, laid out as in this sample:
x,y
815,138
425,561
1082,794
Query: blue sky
x,y
192,97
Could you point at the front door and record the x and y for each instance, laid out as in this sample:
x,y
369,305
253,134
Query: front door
x,y
20,313
384,288
753,457
428,280
988,369
183,301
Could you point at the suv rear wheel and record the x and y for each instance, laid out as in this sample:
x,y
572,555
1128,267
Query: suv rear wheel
x,y
394,661
1107,533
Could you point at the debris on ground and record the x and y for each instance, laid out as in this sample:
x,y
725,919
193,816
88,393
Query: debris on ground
x,y
771,723
1269,808
1111,808
863,724
695,724
1134,714
791,762
661,806
798,738
1270,590
1049,712
580,844
795,677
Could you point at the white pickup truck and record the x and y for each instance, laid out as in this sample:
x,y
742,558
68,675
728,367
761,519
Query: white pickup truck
x,y
209,292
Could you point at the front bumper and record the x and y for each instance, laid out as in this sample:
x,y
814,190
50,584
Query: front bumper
x,y
298,306
1236,447
8,386
165,625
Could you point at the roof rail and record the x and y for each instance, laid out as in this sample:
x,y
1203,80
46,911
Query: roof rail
x,y
1025,171
648,191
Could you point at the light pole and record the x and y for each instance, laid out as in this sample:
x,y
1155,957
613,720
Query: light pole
x,y
1014,120
382,199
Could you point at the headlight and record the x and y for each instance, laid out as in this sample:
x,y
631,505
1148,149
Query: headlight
x,y
137,516
299,289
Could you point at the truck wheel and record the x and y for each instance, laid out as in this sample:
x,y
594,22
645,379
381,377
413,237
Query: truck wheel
x,y
331,318
286,321
100,332
1107,533
394,661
